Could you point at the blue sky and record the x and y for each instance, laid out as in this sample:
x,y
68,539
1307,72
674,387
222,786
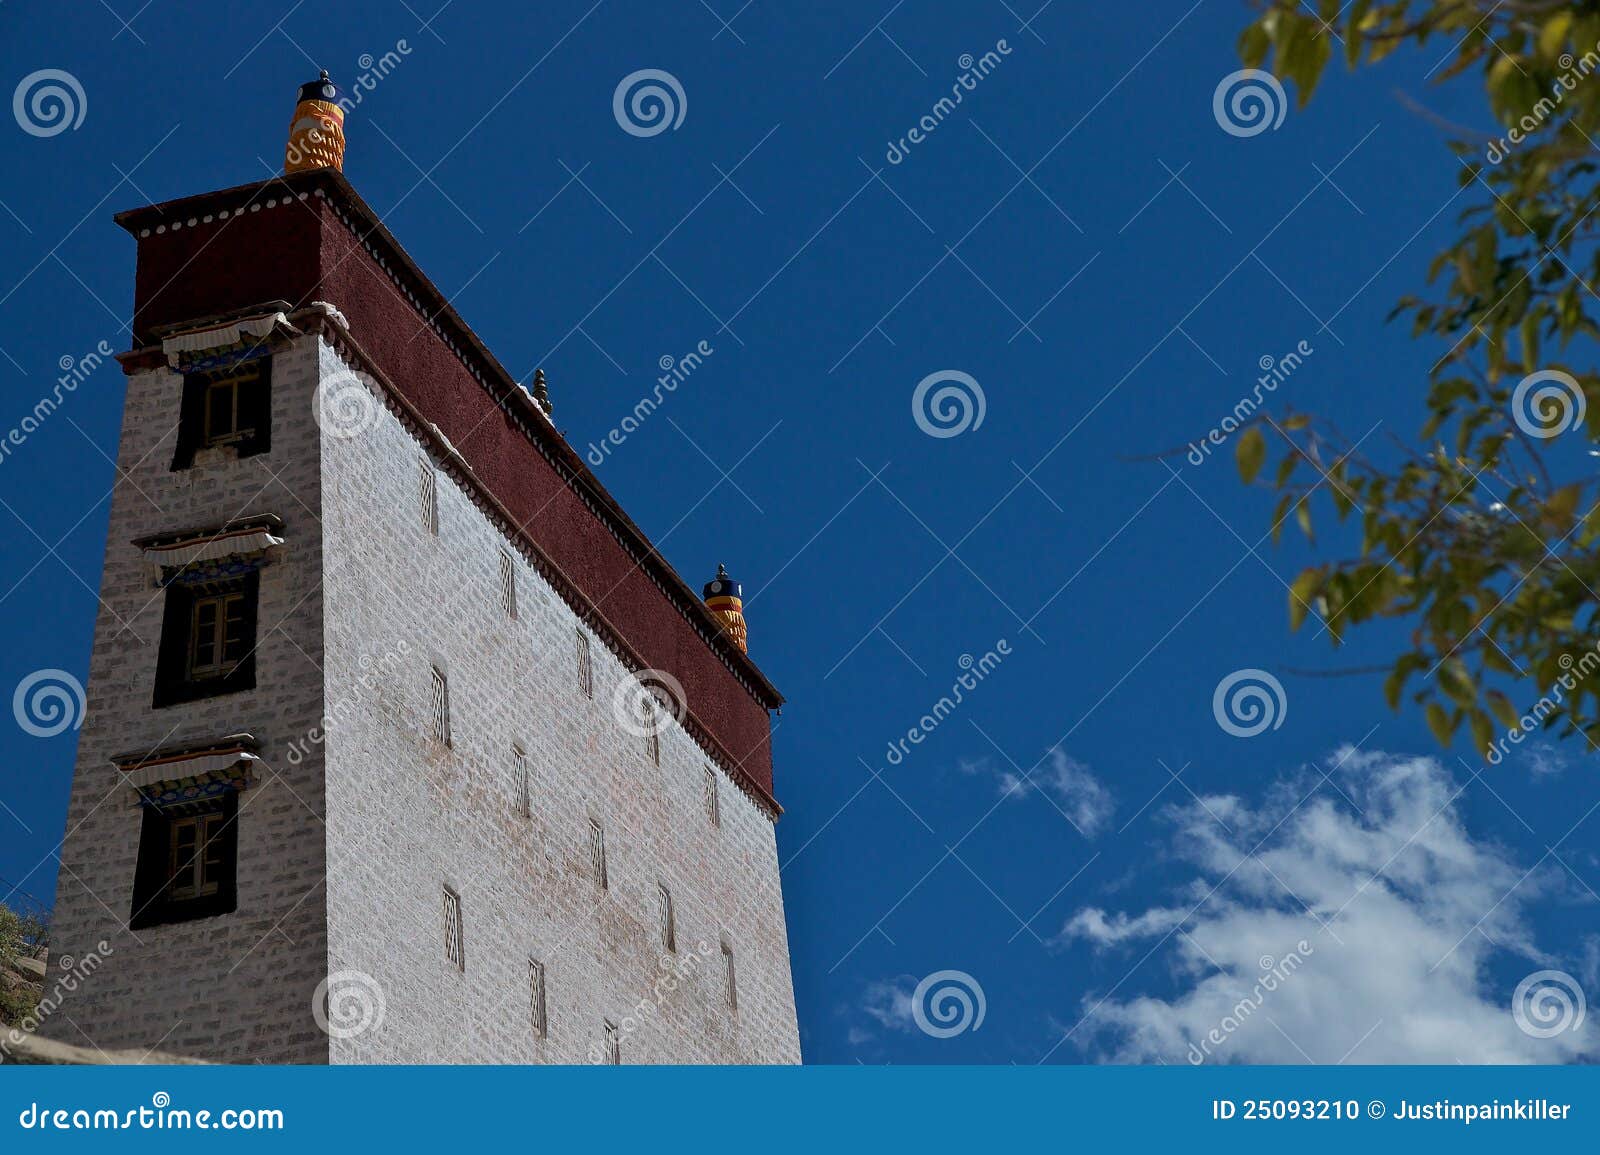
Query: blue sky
x,y
1084,241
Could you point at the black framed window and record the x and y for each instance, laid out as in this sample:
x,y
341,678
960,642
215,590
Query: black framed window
x,y
188,862
230,406
208,639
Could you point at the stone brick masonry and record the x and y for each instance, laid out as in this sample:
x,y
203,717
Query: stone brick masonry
x,y
354,828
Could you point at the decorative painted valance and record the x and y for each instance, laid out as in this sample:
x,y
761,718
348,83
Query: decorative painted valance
x,y
236,543
226,343
191,773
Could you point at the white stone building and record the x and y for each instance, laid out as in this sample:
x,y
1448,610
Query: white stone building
x,y
363,776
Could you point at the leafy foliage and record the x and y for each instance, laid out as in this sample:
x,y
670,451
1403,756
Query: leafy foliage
x,y
1481,531
18,936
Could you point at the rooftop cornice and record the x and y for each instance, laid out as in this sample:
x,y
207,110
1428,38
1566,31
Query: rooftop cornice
x,y
435,310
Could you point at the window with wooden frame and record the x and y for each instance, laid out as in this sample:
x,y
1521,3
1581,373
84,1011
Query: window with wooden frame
x,y
537,1009
208,638
455,938
597,854
712,802
508,583
732,978
652,729
188,862
428,497
669,927
520,777
439,706
229,406
585,666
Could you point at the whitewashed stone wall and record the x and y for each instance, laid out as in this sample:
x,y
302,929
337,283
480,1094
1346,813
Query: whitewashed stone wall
x,y
354,828
408,817
237,987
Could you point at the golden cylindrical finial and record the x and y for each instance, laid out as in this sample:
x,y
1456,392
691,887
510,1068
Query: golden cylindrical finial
x,y
725,598
316,135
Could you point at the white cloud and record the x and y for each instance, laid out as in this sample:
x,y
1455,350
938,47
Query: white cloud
x,y
1068,783
888,1004
1092,923
1415,909
1544,759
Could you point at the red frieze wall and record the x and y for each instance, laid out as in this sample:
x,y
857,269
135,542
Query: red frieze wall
x,y
301,251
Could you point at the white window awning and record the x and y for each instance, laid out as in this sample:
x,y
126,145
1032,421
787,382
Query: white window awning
x,y
242,541
197,764
182,346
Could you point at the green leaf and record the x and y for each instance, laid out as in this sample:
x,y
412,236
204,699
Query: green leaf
x,y
1457,683
1253,45
1503,709
1482,731
1440,722
1301,592
1251,453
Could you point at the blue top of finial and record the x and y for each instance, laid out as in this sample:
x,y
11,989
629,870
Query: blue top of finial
x,y
722,585
321,89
